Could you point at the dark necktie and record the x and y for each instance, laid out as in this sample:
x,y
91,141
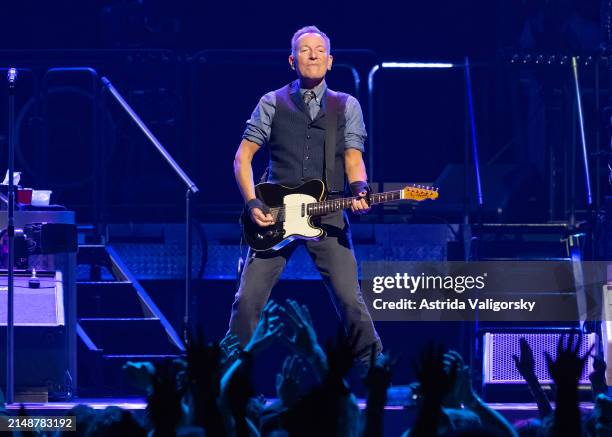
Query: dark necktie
x,y
308,96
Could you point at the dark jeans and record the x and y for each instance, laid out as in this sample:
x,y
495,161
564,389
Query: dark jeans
x,y
335,260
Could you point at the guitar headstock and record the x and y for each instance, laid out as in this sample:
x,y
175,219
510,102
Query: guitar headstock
x,y
419,192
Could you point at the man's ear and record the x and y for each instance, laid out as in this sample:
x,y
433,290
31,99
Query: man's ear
x,y
330,61
292,62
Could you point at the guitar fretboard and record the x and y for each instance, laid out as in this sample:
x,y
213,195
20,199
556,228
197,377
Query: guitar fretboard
x,y
329,206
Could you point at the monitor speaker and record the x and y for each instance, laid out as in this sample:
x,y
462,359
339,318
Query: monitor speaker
x,y
41,344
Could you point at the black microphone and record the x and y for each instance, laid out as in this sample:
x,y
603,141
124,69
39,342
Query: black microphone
x,y
12,76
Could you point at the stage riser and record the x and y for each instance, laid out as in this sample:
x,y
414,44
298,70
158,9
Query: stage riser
x,y
165,257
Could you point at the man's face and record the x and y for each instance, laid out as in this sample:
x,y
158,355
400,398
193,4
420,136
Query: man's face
x,y
311,59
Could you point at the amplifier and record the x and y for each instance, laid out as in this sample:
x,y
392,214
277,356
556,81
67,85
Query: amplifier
x,y
42,366
499,367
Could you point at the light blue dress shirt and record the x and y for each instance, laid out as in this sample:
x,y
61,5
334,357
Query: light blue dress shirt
x,y
260,124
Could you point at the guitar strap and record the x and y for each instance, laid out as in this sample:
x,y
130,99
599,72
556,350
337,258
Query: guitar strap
x,y
264,176
331,128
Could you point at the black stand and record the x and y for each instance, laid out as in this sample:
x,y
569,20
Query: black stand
x,y
581,298
10,323
188,244
475,232
476,162
585,161
191,189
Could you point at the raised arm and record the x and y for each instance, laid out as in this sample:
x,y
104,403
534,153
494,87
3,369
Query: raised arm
x,y
377,381
565,370
466,395
525,364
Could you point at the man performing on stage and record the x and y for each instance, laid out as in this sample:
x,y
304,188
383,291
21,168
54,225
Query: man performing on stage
x,y
293,122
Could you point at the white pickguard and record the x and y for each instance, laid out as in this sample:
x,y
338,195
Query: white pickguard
x,y
294,223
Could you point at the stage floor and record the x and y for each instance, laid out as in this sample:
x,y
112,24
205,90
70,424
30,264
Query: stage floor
x,y
396,419
513,411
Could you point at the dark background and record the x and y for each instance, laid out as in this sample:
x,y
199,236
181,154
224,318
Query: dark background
x,y
194,71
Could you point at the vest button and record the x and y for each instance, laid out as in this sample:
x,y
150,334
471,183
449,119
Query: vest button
x,y
307,137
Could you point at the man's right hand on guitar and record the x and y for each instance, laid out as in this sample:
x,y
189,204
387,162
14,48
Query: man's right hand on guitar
x,y
258,216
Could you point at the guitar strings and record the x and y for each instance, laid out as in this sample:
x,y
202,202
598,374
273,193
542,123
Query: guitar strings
x,y
348,200
376,196
279,213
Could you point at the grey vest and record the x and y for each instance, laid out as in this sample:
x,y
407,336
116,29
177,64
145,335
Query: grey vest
x,y
298,144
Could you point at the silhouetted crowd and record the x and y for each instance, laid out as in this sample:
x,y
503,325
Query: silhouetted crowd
x,y
210,391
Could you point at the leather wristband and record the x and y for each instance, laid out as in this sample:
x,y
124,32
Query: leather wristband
x,y
359,186
256,203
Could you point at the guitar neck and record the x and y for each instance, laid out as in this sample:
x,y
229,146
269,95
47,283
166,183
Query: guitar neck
x,y
327,206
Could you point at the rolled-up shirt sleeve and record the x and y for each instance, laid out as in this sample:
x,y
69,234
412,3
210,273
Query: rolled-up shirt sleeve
x,y
354,129
258,127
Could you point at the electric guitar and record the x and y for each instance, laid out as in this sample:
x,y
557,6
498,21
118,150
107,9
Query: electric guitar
x,y
294,208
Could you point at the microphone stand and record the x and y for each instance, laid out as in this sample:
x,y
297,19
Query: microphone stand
x,y
475,236
191,189
10,323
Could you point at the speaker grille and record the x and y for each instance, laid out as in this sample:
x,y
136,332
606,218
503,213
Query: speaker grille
x,y
499,366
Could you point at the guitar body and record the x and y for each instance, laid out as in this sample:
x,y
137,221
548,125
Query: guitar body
x,y
293,210
296,224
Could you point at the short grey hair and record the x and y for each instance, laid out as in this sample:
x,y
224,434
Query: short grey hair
x,y
309,29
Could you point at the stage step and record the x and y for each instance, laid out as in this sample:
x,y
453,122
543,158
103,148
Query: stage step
x,y
117,322
125,336
114,299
